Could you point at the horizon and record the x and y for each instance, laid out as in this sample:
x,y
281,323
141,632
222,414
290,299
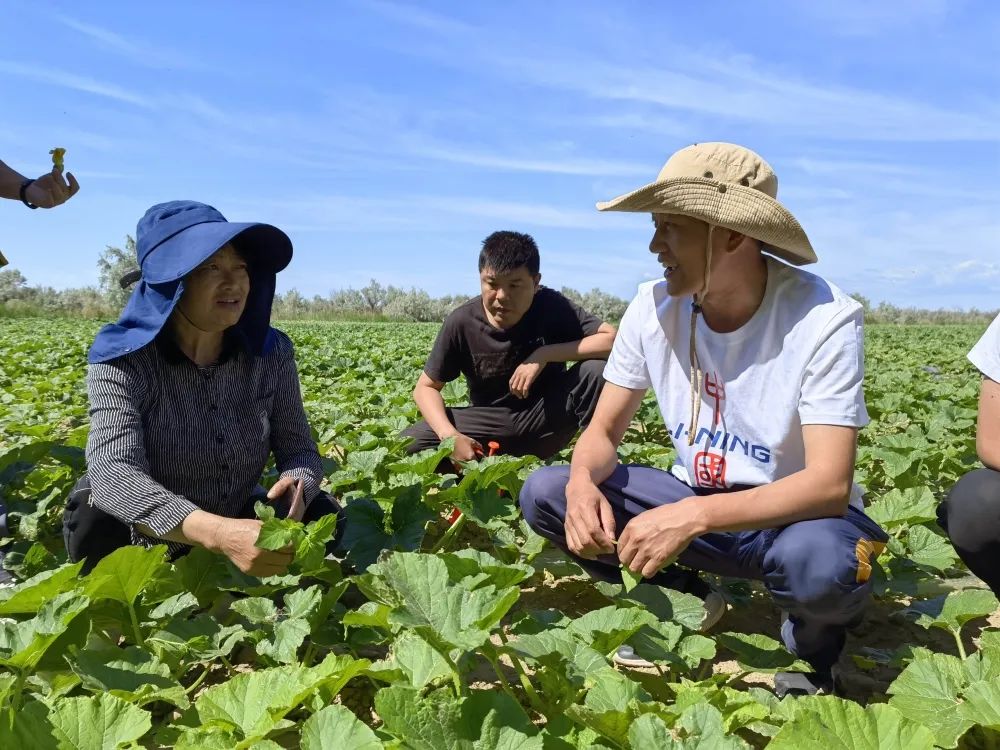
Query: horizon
x,y
387,139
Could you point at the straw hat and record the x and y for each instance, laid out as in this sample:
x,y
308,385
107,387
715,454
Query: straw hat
x,y
723,185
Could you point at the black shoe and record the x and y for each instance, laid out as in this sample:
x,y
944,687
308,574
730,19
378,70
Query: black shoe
x,y
807,683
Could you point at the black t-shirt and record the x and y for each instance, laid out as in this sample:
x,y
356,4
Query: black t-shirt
x,y
468,345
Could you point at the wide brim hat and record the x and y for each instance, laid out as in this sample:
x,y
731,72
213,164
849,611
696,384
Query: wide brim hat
x,y
173,239
723,185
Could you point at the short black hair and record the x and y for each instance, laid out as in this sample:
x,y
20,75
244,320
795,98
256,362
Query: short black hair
x,y
507,251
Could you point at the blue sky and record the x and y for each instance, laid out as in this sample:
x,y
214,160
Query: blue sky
x,y
389,138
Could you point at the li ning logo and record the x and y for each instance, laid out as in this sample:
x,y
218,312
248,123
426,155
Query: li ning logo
x,y
725,443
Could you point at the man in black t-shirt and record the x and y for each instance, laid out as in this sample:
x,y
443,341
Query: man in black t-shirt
x,y
511,343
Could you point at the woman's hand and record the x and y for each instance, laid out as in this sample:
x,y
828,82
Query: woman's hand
x,y
236,538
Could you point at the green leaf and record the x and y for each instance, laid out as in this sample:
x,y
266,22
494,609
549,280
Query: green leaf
x,y
758,653
483,568
23,644
29,596
256,609
928,692
607,628
418,660
132,674
982,704
900,508
953,611
424,722
666,604
288,636
202,638
124,573
174,606
279,533
101,722
321,728
829,723
930,549
422,597
629,579
32,729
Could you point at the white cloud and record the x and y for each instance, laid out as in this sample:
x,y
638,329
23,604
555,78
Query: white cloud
x,y
137,51
65,79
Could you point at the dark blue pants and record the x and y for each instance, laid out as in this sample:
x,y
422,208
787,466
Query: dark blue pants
x,y
971,516
817,571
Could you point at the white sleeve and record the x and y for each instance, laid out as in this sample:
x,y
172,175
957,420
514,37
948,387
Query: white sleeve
x,y
986,353
833,385
627,364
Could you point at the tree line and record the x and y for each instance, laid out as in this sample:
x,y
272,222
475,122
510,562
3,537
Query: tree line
x,y
372,302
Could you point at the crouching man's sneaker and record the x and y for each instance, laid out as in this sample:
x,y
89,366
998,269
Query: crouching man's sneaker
x,y
715,608
808,683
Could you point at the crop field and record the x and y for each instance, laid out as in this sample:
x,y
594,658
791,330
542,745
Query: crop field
x,y
478,635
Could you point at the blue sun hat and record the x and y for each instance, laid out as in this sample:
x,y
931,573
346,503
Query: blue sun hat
x,y
172,239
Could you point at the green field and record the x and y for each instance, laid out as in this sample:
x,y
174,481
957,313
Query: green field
x,y
480,637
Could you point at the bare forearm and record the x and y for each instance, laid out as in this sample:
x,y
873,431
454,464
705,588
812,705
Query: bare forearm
x,y
594,457
10,182
199,528
432,408
595,346
801,496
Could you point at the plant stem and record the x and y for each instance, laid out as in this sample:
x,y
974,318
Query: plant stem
x,y
309,654
958,642
201,678
136,632
450,534
522,676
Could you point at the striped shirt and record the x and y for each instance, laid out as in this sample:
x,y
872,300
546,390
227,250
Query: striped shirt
x,y
168,437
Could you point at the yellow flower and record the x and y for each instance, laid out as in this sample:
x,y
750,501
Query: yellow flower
x,y
57,157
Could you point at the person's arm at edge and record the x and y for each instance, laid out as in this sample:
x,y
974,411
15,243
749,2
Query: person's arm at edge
x,y
10,182
595,346
430,402
988,425
822,489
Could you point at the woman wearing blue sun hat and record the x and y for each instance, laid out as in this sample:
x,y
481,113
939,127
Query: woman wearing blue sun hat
x,y
191,392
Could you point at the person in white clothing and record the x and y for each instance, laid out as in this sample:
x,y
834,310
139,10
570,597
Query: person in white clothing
x,y
757,368
971,512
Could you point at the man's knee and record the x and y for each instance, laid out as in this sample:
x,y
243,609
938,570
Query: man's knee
x,y
816,569
543,498
971,512
592,370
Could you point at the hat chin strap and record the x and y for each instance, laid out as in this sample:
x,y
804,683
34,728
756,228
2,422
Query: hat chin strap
x,y
694,370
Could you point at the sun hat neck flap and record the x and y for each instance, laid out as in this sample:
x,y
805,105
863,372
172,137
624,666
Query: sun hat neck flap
x,y
723,185
172,239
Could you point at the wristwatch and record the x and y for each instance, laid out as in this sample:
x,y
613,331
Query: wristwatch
x,y
24,199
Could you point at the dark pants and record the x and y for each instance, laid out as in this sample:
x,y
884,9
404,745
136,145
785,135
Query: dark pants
x,y
817,570
971,516
541,429
91,534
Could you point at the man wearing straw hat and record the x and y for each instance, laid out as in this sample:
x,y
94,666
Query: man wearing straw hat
x,y
757,368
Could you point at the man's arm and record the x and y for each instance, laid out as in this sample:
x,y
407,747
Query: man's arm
x,y
47,191
595,346
427,395
10,182
590,525
988,427
822,489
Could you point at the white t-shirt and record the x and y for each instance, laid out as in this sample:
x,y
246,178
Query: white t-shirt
x,y
799,360
986,353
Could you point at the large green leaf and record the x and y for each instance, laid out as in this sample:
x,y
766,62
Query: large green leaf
x,y
951,612
416,659
336,724
132,674
474,568
607,628
929,691
829,723
102,722
758,653
930,549
666,604
422,597
900,508
23,644
29,596
425,723
32,729
124,573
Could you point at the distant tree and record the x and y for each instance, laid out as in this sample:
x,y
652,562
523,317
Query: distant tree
x,y
12,285
111,266
375,296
